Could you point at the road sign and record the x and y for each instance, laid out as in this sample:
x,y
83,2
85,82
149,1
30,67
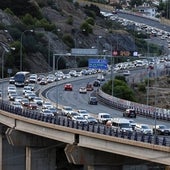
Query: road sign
x,y
81,51
97,64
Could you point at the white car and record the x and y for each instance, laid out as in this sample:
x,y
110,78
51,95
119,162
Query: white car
x,y
38,100
83,113
66,110
80,119
83,90
144,128
11,89
17,105
47,105
126,73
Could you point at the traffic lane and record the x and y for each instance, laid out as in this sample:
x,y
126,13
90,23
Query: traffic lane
x,y
147,21
77,100
80,101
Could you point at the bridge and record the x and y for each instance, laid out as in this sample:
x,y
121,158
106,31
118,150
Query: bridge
x,y
92,146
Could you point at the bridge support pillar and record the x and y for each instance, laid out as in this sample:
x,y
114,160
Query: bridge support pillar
x,y
28,158
167,168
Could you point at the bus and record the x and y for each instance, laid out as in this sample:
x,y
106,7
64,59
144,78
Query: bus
x,y
20,78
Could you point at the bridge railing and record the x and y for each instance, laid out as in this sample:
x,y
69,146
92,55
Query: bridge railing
x,y
94,128
141,109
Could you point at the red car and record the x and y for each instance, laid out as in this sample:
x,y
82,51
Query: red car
x,y
89,87
68,87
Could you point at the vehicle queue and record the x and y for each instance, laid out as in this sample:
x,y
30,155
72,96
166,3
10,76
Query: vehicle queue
x,y
28,99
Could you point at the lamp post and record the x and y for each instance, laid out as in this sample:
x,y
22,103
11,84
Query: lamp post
x,y
99,37
49,47
6,49
59,57
21,58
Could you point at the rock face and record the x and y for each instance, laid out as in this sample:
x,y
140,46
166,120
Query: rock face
x,y
58,14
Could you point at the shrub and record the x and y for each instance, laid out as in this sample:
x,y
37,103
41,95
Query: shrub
x,y
90,21
68,40
142,87
8,11
87,27
70,20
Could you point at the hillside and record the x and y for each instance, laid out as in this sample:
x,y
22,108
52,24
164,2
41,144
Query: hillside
x,y
58,26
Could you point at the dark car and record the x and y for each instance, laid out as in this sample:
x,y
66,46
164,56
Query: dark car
x,y
129,113
93,100
96,83
32,106
161,130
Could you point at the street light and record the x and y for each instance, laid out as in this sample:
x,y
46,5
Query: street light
x,y
6,49
99,37
21,62
49,47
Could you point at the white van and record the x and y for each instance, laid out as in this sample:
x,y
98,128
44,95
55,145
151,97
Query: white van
x,y
122,124
104,117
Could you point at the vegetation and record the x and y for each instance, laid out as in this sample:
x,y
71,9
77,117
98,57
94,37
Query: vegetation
x,y
119,88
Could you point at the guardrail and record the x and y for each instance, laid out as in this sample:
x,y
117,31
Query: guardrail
x,y
141,109
94,128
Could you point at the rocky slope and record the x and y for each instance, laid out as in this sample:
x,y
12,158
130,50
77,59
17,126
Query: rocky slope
x,y
58,13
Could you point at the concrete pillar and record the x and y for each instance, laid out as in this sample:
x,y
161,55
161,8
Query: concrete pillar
x,y
28,158
167,168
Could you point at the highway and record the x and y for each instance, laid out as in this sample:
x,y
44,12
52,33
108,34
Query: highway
x,y
80,101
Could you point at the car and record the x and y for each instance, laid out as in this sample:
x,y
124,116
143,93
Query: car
x,y
96,83
144,128
18,98
129,113
27,93
126,73
89,87
25,102
31,96
43,81
68,87
79,119
26,88
11,80
32,106
83,112
161,130
38,100
83,90
53,110
47,112
47,105
91,119
12,96
11,89
71,114
66,110
100,77
32,86
17,105
93,100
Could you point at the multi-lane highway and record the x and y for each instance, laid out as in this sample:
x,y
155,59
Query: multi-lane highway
x,y
80,101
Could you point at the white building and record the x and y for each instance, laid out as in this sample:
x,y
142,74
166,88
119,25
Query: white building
x,y
147,10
